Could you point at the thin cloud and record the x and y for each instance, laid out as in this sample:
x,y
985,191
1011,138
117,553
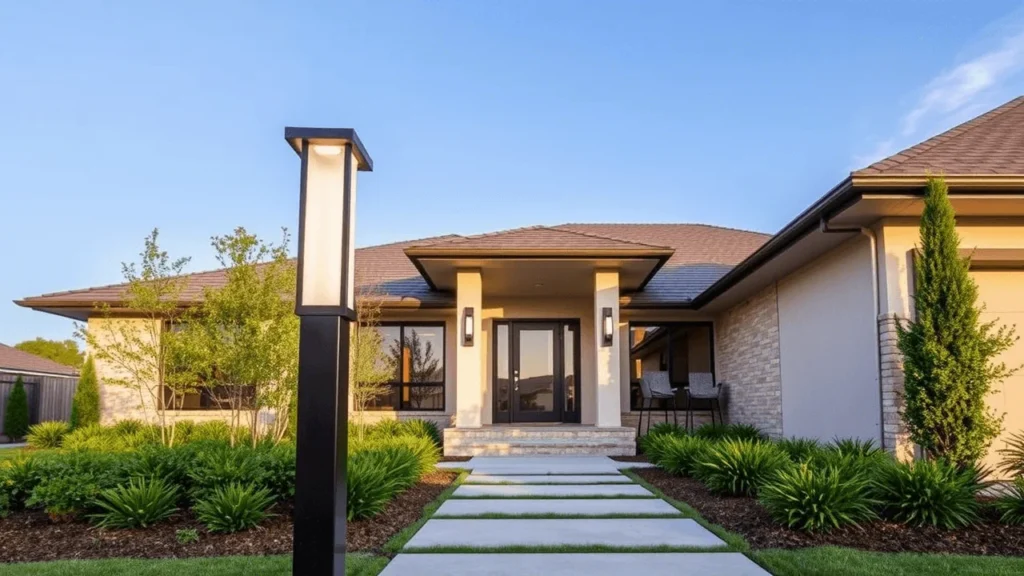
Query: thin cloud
x,y
957,94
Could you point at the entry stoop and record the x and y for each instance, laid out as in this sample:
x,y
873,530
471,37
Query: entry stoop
x,y
537,440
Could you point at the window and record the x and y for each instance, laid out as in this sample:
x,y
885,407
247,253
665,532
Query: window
x,y
417,351
677,348
212,398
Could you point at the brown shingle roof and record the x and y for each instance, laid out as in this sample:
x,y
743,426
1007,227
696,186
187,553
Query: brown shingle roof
x,y
991,144
17,360
539,238
701,255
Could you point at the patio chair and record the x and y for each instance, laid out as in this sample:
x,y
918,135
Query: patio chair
x,y
656,386
702,386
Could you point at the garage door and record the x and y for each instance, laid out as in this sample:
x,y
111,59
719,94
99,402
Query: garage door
x,y
1002,292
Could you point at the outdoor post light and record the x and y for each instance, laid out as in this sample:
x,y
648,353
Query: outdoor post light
x,y
607,328
324,302
467,326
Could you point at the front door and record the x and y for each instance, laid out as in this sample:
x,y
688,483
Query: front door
x,y
536,364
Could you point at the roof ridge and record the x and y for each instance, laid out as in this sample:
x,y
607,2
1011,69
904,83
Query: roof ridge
x,y
694,224
942,138
603,237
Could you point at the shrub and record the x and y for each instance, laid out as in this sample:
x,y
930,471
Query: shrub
x,y
711,432
18,478
729,431
93,437
16,414
384,429
70,482
128,427
140,503
279,465
739,467
219,465
670,428
950,356
47,435
1012,463
216,430
183,431
1011,506
234,507
654,441
423,429
370,483
817,500
800,449
85,406
679,454
159,462
930,492
855,447
425,454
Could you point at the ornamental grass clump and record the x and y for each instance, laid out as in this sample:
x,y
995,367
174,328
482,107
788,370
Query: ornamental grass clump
x,y
739,467
374,477
730,432
818,499
1012,463
422,429
47,435
141,503
1011,505
930,493
800,449
679,454
234,507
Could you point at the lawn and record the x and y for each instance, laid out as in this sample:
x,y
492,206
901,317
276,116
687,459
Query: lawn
x,y
355,565
833,561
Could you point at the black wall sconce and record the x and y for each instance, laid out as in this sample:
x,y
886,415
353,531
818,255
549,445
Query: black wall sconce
x,y
467,326
607,326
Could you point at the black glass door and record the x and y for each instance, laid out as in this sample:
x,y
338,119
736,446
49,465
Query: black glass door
x,y
536,378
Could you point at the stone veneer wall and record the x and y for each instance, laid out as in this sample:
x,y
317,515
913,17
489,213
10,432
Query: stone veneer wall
x,y
894,434
747,361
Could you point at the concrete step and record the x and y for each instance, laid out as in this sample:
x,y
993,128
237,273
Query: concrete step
x,y
539,440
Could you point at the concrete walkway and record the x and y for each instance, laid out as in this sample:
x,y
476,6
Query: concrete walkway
x,y
561,515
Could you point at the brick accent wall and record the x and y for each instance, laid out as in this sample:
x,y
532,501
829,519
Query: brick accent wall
x,y
747,360
894,433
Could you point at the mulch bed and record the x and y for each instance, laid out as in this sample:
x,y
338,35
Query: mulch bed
x,y
30,536
745,516
637,458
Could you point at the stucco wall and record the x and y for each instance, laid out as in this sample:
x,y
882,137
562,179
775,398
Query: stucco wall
x,y
747,360
828,347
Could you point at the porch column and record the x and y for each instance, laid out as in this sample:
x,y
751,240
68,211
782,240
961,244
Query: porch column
x,y
606,295
469,390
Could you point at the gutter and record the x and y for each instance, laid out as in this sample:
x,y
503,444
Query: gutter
x,y
875,283
835,199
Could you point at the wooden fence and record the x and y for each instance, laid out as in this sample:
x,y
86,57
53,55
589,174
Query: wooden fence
x,y
49,397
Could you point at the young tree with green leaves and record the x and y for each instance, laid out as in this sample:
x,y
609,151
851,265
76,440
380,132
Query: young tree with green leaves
x,y
246,334
949,355
146,352
372,369
16,414
85,406
64,352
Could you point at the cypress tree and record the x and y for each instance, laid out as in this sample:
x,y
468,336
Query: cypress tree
x,y
85,406
949,355
16,414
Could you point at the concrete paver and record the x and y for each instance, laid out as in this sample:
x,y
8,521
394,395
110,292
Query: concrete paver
x,y
580,506
547,479
681,564
566,490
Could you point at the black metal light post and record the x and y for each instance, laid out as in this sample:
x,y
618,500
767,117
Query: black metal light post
x,y
325,302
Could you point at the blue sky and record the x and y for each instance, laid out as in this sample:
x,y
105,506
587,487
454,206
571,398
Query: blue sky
x,y
118,117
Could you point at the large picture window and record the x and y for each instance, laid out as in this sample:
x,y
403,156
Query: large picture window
x,y
416,351
678,348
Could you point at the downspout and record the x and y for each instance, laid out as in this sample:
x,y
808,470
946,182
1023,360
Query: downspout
x,y
873,240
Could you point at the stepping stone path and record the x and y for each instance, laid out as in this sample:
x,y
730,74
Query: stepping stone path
x,y
588,503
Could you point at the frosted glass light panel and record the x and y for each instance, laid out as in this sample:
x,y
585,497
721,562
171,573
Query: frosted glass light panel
x,y
328,229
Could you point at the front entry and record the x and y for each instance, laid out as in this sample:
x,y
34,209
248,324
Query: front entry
x,y
536,371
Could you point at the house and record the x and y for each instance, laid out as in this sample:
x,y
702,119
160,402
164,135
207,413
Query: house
x,y
49,385
500,330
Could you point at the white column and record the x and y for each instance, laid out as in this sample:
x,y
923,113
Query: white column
x,y
606,295
469,390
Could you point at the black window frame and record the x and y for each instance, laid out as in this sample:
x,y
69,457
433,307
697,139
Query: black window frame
x,y
635,402
399,385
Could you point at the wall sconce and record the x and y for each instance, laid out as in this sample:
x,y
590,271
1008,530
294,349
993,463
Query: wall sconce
x,y
607,326
467,326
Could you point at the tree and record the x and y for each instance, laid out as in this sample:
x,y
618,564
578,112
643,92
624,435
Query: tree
x,y
85,406
371,368
16,414
949,356
61,351
147,353
423,366
245,336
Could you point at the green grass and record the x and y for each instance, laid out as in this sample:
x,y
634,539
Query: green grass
x,y
833,561
355,565
562,549
395,544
